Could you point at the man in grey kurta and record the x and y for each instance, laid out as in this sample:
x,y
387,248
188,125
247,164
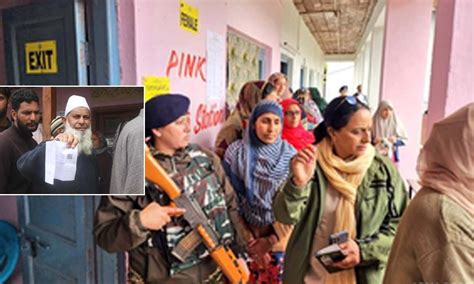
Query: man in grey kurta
x,y
127,167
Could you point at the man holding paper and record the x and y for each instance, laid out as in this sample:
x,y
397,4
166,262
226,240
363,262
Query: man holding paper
x,y
66,165
17,140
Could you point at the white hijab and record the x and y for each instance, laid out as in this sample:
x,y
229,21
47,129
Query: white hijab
x,y
384,128
446,162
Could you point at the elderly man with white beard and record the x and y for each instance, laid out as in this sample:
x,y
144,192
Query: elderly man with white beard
x,y
77,126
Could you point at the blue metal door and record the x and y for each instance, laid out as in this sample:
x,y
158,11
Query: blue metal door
x,y
45,43
58,243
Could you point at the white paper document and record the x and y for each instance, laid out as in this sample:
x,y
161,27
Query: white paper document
x,y
60,162
215,63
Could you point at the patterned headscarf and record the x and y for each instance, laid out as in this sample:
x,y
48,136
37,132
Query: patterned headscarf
x,y
233,127
257,169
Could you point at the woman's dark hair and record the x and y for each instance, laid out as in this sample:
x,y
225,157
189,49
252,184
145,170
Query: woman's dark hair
x,y
343,88
267,89
298,95
316,96
300,92
337,115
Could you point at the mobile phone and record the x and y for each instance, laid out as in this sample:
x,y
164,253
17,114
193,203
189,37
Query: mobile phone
x,y
339,237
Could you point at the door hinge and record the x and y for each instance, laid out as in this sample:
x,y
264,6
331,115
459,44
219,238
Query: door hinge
x,y
85,54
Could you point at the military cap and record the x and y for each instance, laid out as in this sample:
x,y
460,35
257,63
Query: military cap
x,y
164,109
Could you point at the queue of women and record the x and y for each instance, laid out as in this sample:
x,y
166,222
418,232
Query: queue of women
x,y
296,187
301,173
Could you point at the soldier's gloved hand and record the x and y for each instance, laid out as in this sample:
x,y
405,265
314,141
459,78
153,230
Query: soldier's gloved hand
x,y
154,216
69,138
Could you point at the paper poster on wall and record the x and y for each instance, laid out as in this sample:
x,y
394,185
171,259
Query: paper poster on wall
x,y
99,95
188,17
215,66
41,57
155,86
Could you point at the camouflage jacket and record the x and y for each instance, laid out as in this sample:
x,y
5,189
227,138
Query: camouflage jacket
x,y
199,173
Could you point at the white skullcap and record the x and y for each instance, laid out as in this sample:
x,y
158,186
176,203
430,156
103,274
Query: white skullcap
x,y
75,101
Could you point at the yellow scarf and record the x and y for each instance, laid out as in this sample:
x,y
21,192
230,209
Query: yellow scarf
x,y
345,177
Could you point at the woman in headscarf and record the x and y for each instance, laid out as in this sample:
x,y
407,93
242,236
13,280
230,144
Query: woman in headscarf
x,y
434,242
293,130
257,165
314,116
270,92
280,82
316,96
340,184
388,132
250,95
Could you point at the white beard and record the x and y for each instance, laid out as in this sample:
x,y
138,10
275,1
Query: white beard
x,y
85,141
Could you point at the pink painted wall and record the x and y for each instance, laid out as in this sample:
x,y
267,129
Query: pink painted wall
x,y
262,20
453,61
405,55
126,32
157,35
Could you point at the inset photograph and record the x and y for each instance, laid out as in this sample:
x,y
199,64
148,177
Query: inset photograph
x,y
71,140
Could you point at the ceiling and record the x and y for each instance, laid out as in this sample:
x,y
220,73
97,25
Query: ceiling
x,y
337,25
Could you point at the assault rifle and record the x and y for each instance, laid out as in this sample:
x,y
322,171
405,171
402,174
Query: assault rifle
x,y
223,256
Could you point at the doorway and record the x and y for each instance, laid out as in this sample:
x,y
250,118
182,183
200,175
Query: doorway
x,y
61,42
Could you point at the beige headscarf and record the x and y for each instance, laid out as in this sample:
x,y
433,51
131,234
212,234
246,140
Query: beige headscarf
x,y
446,162
345,177
384,128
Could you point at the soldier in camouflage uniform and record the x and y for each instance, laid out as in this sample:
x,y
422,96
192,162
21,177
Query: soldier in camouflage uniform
x,y
147,227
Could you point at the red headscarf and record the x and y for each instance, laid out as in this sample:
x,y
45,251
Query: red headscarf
x,y
296,136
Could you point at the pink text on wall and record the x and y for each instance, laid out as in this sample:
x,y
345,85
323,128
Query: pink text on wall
x,y
207,117
186,65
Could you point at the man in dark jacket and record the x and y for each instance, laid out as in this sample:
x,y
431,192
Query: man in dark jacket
x,y
78,126
17,140
147,227
5,123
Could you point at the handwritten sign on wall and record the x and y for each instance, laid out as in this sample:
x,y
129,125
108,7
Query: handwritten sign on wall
x,y
155,86
188,17
186,65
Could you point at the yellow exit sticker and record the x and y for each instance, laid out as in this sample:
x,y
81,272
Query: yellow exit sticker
x,y
41,57
188,17
155,86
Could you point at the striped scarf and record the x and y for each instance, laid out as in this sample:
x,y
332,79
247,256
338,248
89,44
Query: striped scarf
x,y
257,169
